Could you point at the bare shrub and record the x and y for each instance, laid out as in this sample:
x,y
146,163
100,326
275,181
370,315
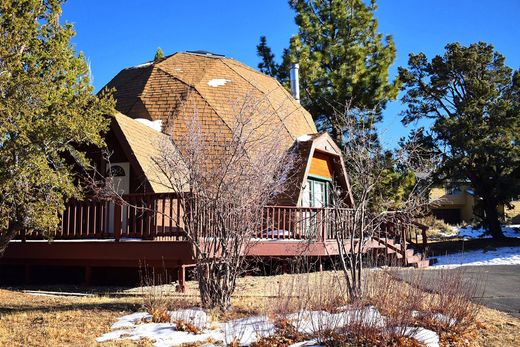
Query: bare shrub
x,y
309,291
155,299
378,203
225,180
451,306
439,300
395,305
317,306
300,304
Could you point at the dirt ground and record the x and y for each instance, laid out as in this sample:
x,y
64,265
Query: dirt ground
x,y
29,320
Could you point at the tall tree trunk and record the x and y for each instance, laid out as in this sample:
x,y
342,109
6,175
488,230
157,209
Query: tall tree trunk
x,y
492,220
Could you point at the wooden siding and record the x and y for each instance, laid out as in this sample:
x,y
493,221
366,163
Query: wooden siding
x,y
321,165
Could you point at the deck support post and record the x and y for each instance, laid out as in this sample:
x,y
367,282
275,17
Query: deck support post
x,y
27,274
181,279
87,281
117,222
285,266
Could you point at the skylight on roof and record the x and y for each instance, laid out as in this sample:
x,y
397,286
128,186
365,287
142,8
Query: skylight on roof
x,y
206,53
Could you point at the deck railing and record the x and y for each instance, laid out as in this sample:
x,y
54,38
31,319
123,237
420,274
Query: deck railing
x,y
291,222
160,217
142,216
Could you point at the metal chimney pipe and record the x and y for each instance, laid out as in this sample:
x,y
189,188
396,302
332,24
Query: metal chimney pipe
x,y
295,81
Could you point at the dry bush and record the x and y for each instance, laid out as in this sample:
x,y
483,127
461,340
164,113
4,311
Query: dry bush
x,y
437,226
393,299
317,306
155,299
439,300
291,301
451,307
390,311
183,325
311,291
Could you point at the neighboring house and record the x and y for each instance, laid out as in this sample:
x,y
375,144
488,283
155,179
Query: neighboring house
x,y
155,101
512,213
454,203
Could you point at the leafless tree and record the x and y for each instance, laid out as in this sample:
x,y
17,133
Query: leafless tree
x,y
374,207
225,181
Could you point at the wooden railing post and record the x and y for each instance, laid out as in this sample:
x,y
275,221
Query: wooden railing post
x,y
322,225
424,237
403,244
117,222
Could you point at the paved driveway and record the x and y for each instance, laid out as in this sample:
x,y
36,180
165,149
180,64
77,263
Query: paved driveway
x,y
501,288
501,285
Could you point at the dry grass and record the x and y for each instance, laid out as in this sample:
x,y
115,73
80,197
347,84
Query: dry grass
x,y
27,320
496,329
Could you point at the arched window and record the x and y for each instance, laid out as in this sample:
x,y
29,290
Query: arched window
x,y
117,171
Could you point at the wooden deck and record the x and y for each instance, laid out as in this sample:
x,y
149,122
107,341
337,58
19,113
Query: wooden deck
x,y
149,230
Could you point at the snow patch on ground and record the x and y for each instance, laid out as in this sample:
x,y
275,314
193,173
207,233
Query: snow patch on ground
x,y
312,322
470,232
439,317
309,343
425,336
138,325
55,294
498,256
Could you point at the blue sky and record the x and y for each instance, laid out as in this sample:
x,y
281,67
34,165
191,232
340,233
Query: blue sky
x,y
116,34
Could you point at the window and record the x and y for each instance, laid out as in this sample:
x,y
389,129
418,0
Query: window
x,y
116,171
317,193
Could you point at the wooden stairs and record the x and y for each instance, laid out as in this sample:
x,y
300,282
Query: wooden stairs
x,y
407,256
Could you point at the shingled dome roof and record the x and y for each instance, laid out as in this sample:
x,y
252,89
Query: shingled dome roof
x,y
212,87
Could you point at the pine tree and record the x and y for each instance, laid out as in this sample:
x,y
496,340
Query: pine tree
x,y
343,62
473,99
159,54
268,64
47,112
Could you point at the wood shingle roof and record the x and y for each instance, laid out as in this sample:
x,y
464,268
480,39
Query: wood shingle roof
x,y
212,87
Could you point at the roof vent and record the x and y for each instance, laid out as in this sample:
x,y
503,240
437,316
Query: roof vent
x,y
206,53
295,81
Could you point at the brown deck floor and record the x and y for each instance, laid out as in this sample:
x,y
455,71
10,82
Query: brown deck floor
x,y
135,253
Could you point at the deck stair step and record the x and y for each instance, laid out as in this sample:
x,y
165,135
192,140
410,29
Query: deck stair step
x,y
421,264
412,258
